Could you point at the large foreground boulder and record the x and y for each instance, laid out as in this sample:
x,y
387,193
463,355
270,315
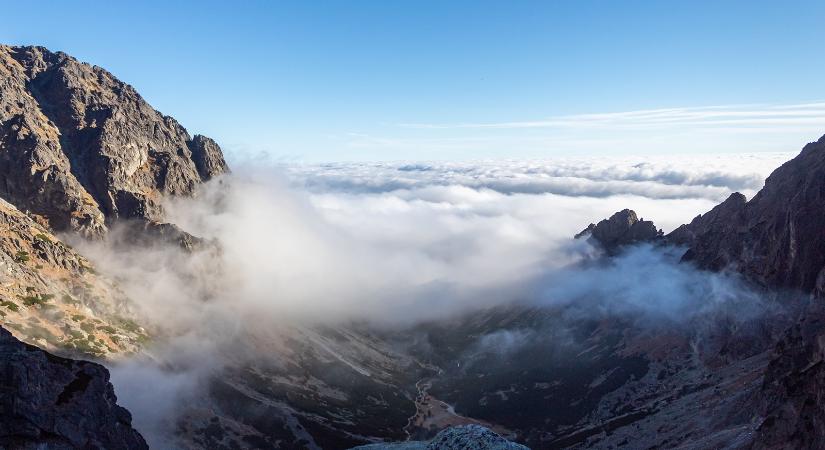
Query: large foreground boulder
x,y
464,437
48,402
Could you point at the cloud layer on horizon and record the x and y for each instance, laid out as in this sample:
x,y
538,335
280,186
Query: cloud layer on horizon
x,y
674,177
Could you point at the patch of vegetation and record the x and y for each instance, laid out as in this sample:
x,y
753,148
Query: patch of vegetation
x,y
69,300
36,300
10,305
39,332
22,257
84,346
87,327
107,329
78,317
75,334
130,325
42,238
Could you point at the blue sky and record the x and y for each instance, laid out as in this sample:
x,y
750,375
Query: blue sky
x,y
389,80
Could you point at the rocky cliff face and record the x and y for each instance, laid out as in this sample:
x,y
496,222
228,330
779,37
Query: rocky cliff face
x,y
776,240
620,230
79,151
81,148
57,403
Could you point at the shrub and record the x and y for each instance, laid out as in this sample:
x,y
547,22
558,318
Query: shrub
x,y
10,305
107,329
36,300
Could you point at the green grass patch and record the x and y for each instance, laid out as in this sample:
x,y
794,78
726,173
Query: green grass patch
x,y
107,329
22,257
36,300
11,306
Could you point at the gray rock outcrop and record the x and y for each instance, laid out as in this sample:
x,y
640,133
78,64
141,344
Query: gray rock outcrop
x,y
82,149
620,230
51,402
464,437
776,238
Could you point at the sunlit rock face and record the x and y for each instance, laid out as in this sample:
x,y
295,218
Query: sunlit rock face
x,y
81,148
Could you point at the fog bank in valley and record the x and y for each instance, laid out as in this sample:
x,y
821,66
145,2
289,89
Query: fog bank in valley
x,y
394,244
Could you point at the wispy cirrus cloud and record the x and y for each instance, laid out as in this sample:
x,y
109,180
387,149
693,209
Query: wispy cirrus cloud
x,y
754,115
744,128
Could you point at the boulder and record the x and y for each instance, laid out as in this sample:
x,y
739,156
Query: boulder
x,y
51,402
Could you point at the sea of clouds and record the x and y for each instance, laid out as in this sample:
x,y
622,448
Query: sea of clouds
x,y
403,242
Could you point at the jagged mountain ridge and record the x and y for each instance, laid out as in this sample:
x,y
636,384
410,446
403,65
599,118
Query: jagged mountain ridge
x,y
81,148
773,239
776,240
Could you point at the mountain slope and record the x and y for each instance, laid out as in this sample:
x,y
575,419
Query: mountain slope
x,y
81,148
51,296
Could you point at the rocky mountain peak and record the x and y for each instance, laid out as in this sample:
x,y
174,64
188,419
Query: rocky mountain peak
x,y
775,239
620,230
83,149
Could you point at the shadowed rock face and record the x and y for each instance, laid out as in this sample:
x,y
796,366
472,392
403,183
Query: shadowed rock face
x,y
81,148
776,238
57,403
620,230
